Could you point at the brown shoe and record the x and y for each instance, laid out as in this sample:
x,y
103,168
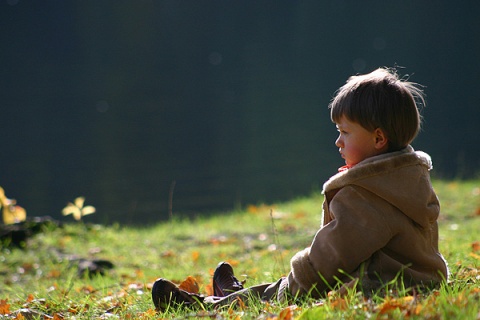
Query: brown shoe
x,y
165,293
224,282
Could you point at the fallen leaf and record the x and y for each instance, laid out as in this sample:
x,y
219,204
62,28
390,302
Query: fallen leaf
x,y
477,212
476,246
167,254
218,240
233,263
195,256
139,273
30,298
54,274
404,303
241,304
209,289
190,285
150,313
339,304
287,313
300,215
473,255
19,317
4,307
56,316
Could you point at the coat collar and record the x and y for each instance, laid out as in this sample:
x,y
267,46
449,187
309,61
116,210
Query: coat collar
x,y
377,165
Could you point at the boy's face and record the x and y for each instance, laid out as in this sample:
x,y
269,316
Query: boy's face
x,y
356,143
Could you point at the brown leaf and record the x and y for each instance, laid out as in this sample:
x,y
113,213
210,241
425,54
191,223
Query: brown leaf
x,y
339,304
287,313
167,254
476,246
190,285
30,298
54,274
209,289
4,306
57,316
241,305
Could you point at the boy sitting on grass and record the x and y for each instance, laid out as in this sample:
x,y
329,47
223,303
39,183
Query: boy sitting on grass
x,y
379,212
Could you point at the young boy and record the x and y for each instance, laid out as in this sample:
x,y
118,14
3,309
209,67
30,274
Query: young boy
x,y
379,212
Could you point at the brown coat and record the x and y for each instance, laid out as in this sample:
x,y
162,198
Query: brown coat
x,y
379,221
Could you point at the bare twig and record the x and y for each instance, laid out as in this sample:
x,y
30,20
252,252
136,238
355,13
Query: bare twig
x,y
277,244
170,199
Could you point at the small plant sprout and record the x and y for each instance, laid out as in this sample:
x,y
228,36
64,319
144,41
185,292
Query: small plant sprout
x,y
77,209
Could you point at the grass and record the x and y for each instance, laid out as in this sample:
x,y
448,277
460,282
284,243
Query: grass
x,y
42,282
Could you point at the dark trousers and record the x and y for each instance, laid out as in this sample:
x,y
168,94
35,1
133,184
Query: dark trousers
x,y
266,292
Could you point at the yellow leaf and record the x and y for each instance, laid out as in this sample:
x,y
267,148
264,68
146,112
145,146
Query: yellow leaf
x,y
10,211
69,209
150,313
77,214
79,202
473,255
19,316
195,256
400,303
13,214
77,209
88,210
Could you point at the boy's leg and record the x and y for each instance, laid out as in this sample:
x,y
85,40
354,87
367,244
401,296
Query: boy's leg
x,y
165,293
275,291
255,292
265,292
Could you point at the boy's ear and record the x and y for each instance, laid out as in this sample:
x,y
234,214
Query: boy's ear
x,y
381,140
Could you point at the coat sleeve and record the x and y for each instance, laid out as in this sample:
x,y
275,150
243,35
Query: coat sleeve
x,y
358,229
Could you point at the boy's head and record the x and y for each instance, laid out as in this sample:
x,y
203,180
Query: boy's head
x,y
380,100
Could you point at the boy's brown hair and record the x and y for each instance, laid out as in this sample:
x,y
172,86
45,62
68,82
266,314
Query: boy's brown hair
x,y
381,100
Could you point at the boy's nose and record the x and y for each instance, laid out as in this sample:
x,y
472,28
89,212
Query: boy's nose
x,y
338,142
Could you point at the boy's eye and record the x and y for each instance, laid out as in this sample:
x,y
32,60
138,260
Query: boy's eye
x,y
342,131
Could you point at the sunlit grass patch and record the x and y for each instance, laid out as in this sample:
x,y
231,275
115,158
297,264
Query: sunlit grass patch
x,y
43,279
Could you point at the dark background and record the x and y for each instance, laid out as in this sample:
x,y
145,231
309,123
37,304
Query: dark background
x,y
226,101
